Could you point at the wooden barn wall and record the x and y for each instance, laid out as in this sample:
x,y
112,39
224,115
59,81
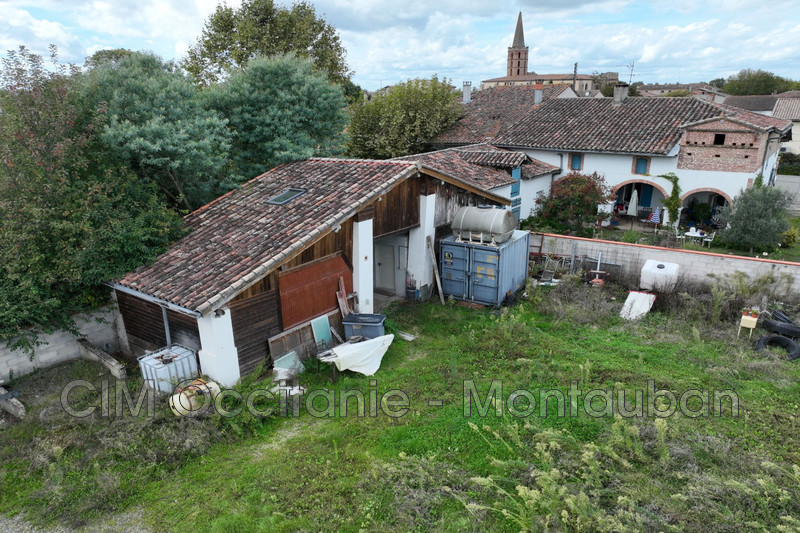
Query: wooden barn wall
x,y
309,291
398,210
144,324
333,242
449,199
254,321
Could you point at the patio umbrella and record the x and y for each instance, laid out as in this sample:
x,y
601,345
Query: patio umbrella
x,y
633,205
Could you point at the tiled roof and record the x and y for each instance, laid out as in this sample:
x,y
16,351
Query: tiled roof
x,y
477,163
533,76
788,108
493,109
637,125
789,94
752,102
240,237
459,163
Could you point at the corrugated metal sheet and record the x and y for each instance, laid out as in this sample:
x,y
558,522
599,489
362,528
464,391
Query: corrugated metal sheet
x,y
309,291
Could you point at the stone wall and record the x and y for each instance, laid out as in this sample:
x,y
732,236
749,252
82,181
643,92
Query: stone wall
x,y
694,265
99,327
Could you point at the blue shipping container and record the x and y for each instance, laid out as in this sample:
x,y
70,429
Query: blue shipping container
x,y
483,273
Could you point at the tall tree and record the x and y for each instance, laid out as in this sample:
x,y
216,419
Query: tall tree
x,y
756,220
231,37
749,81
403,119
156,125
279,110
65,225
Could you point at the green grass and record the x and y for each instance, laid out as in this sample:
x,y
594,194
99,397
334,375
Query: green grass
x,y
435,470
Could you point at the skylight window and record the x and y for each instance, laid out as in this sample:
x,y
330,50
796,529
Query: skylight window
x,y
286,196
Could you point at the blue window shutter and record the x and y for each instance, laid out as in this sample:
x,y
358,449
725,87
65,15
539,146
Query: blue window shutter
x,y
641,165
575,162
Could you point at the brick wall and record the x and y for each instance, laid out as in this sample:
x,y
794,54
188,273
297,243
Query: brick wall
x,y
99,327
694,266
740,151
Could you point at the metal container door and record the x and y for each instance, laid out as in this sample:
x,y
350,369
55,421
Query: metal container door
x,y
484,275
455,270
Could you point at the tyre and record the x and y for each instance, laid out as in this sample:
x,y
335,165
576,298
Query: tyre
x,y
780,316
782,328
780,341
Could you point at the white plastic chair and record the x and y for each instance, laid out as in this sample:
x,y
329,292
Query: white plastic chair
x,y
709,239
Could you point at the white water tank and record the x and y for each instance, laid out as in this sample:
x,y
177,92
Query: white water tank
x,y
658,275
488,224
162,370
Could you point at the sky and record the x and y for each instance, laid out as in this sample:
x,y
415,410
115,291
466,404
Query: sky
x,y
390,41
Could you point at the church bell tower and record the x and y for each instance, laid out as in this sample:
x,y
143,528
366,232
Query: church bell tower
x,y
518,53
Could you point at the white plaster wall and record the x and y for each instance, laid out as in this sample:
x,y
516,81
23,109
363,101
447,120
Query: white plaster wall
x,y
694,266
219,358
98,327
793,145
363,275
419,260
617,169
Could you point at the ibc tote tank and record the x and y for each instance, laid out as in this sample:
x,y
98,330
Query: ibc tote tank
x,y
484,273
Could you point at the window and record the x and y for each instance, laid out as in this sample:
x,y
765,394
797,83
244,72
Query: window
x,y
286,196
515,189
641,165
719,138
575,161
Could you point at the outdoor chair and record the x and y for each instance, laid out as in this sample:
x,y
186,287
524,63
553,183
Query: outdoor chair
x,y
709,239
680,236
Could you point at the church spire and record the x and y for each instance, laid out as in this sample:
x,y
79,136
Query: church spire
x,y
517,63
519,36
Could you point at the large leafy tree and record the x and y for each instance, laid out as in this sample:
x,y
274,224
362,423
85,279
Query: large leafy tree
x,y
749,81
279,110
572,202
403,119
232,37
157,126
65,225
756,219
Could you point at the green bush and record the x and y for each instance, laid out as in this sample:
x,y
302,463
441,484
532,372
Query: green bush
x,y
789,237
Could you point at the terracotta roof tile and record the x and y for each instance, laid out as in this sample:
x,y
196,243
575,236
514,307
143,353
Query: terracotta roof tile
x,y
788,108
492,110
240,237
637,125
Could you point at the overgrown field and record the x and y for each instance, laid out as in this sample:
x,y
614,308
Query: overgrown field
x,y
435,469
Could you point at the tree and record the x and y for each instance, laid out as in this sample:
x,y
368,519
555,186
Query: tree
x,y
279,110
107,56
156,125
749,81
756,219
232,37
717,82
402,120
573,201
65,225
679,93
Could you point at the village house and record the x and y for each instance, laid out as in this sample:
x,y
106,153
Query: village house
x,y
715,150
265,259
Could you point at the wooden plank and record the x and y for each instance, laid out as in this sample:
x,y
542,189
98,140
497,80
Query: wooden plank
x,y
435,269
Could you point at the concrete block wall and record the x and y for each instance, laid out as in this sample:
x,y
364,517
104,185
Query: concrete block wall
x,y
694,265
99,327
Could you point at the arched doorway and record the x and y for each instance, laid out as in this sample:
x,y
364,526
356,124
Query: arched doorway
x,y
700,206
650,198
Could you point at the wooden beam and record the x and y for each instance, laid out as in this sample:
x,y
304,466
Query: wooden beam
x,y
435,269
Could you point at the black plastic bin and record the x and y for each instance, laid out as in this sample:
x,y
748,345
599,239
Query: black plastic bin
x,y
368,325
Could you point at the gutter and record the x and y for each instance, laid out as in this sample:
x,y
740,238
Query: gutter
x,y
152,299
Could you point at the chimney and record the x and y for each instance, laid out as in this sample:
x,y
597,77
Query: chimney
x,y
538,92
467,92
620,93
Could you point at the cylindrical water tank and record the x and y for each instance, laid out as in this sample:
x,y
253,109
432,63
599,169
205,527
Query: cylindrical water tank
x,y
483,224
658,275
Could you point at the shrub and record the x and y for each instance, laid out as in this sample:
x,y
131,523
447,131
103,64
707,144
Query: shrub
x,y
789,237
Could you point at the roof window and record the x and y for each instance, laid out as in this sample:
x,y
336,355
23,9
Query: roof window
x,y
286,196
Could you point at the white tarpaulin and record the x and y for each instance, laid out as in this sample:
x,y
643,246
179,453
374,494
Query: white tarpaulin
x,y
637,305
363,357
